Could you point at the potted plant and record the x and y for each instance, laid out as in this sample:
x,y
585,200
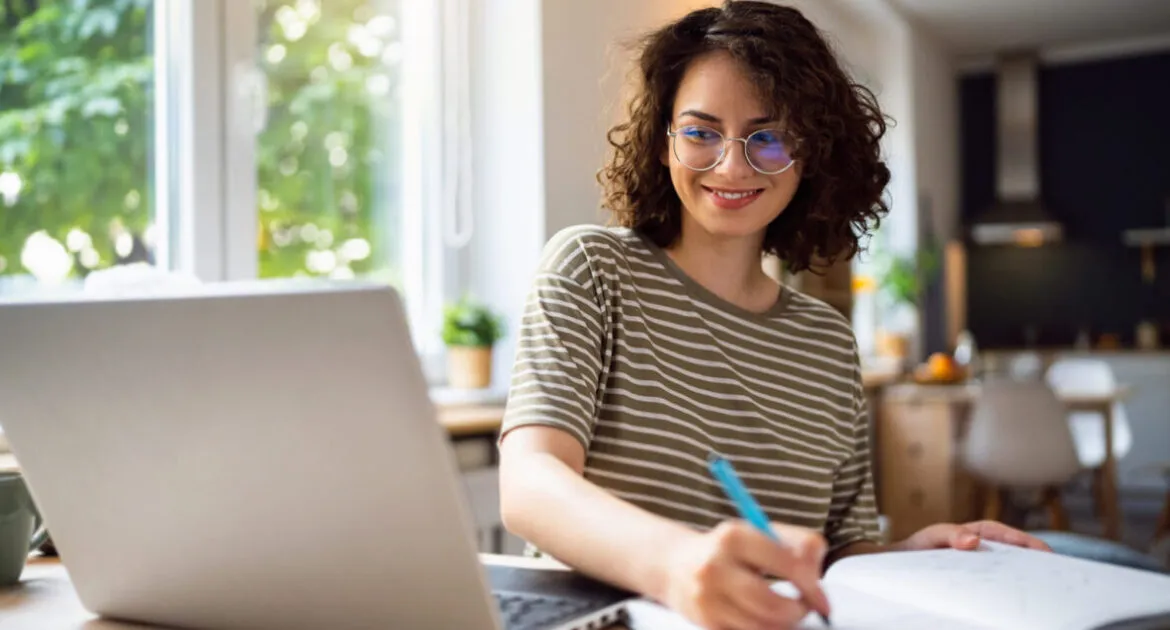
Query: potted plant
x,y
901,282
470,330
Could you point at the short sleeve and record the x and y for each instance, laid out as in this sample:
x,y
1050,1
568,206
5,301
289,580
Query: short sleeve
x,y
853,509
560,349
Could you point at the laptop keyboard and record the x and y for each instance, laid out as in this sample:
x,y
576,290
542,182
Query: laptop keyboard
x,y
523,611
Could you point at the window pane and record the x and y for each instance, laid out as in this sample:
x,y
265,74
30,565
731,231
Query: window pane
x,y
329,183
76,136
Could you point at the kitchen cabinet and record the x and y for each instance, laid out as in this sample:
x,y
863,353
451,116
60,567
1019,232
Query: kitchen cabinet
x,y
922,481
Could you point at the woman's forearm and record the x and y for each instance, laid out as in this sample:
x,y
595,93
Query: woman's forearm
x,y
552,506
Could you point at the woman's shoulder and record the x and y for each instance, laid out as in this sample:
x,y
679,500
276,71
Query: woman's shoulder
x,y
596,244
816,314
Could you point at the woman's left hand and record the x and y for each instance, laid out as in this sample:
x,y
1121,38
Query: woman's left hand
x,y
966,537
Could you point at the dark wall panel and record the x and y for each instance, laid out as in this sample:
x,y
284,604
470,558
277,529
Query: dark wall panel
x,y
1105,167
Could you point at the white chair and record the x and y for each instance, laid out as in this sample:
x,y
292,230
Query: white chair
x,y
1025,366
1087,377
1018,439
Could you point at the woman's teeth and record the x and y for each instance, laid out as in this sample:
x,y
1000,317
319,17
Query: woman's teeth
x,y
735,195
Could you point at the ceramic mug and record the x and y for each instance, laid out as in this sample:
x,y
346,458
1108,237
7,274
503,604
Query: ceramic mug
x,y
22,530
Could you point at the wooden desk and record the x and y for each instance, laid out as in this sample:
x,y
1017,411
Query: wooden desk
x,y
920,430
472,420
45,599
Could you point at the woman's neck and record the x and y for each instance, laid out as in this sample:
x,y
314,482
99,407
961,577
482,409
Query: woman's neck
x,y
731,268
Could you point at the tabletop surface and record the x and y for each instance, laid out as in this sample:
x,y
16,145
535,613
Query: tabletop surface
x,y
45,599
964,392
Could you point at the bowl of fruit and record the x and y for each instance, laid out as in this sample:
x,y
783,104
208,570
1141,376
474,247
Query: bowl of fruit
x,y
939,369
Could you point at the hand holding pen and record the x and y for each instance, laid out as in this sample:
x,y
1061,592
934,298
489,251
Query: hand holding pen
x,y
718,578
799,546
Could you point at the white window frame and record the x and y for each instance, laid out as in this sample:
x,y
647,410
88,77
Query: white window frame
x,y
189,145
206,204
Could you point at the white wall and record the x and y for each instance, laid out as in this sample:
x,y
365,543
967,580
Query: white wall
x,y
586,65
890,73
915,80
508,160
912,77
852,34
936,105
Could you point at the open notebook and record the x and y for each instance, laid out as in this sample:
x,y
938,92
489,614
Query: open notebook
x,y
996,586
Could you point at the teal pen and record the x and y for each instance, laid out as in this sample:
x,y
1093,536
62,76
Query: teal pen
x,y
744,502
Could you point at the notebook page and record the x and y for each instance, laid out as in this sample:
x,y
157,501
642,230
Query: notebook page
x,y
1008,587
852,610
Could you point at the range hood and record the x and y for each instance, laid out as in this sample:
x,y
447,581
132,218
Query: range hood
x,y
1018,216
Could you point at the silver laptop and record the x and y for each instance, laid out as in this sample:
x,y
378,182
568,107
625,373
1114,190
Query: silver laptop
x,y
258,456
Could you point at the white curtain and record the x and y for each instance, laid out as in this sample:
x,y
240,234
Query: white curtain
x,y
458,221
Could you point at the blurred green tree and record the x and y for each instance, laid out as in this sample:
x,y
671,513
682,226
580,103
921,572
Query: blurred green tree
x,y
328,165
75,96
77,121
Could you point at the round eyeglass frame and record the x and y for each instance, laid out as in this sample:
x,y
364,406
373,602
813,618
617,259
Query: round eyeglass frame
x,y
673,134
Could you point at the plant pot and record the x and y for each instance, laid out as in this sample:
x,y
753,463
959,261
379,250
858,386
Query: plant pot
x,y
893,345
469,367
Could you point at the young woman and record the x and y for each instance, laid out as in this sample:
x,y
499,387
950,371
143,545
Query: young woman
x,y
649,345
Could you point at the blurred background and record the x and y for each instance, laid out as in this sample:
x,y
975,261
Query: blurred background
x,y
436,145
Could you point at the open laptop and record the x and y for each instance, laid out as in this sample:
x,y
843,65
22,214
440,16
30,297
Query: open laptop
x,y
255,456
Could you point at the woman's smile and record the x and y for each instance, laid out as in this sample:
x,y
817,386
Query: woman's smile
x,y
732,198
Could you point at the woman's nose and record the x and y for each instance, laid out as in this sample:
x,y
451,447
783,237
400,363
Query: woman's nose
x,y
734,162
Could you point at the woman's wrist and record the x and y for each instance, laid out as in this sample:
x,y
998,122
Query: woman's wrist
x,y
656,574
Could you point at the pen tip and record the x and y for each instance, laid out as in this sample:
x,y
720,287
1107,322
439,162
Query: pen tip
x,y
825,619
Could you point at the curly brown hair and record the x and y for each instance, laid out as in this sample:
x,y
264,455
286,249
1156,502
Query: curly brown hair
x,y
836,123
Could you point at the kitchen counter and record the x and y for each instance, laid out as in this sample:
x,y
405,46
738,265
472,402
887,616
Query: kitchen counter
x,y
967,392
1070,351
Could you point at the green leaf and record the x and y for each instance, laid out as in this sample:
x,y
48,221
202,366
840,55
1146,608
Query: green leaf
x,y
35,52
70,65
103,20
57,109
901,276
101,106
12,123
470,323
18,74
14,151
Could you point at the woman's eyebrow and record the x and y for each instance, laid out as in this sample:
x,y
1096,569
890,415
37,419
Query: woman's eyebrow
x,y
701,115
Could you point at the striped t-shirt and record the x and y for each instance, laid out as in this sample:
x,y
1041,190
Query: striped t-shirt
x,y
651,373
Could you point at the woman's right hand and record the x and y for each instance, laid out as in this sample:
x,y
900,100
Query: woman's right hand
x,y
717,578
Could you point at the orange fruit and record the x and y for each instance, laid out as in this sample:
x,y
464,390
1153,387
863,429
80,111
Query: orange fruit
x,y
942,367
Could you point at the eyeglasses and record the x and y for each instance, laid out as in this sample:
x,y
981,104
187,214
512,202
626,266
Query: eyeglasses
x,y
703,148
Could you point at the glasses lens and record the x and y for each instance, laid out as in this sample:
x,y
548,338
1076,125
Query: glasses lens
x,y
767,151
698,147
